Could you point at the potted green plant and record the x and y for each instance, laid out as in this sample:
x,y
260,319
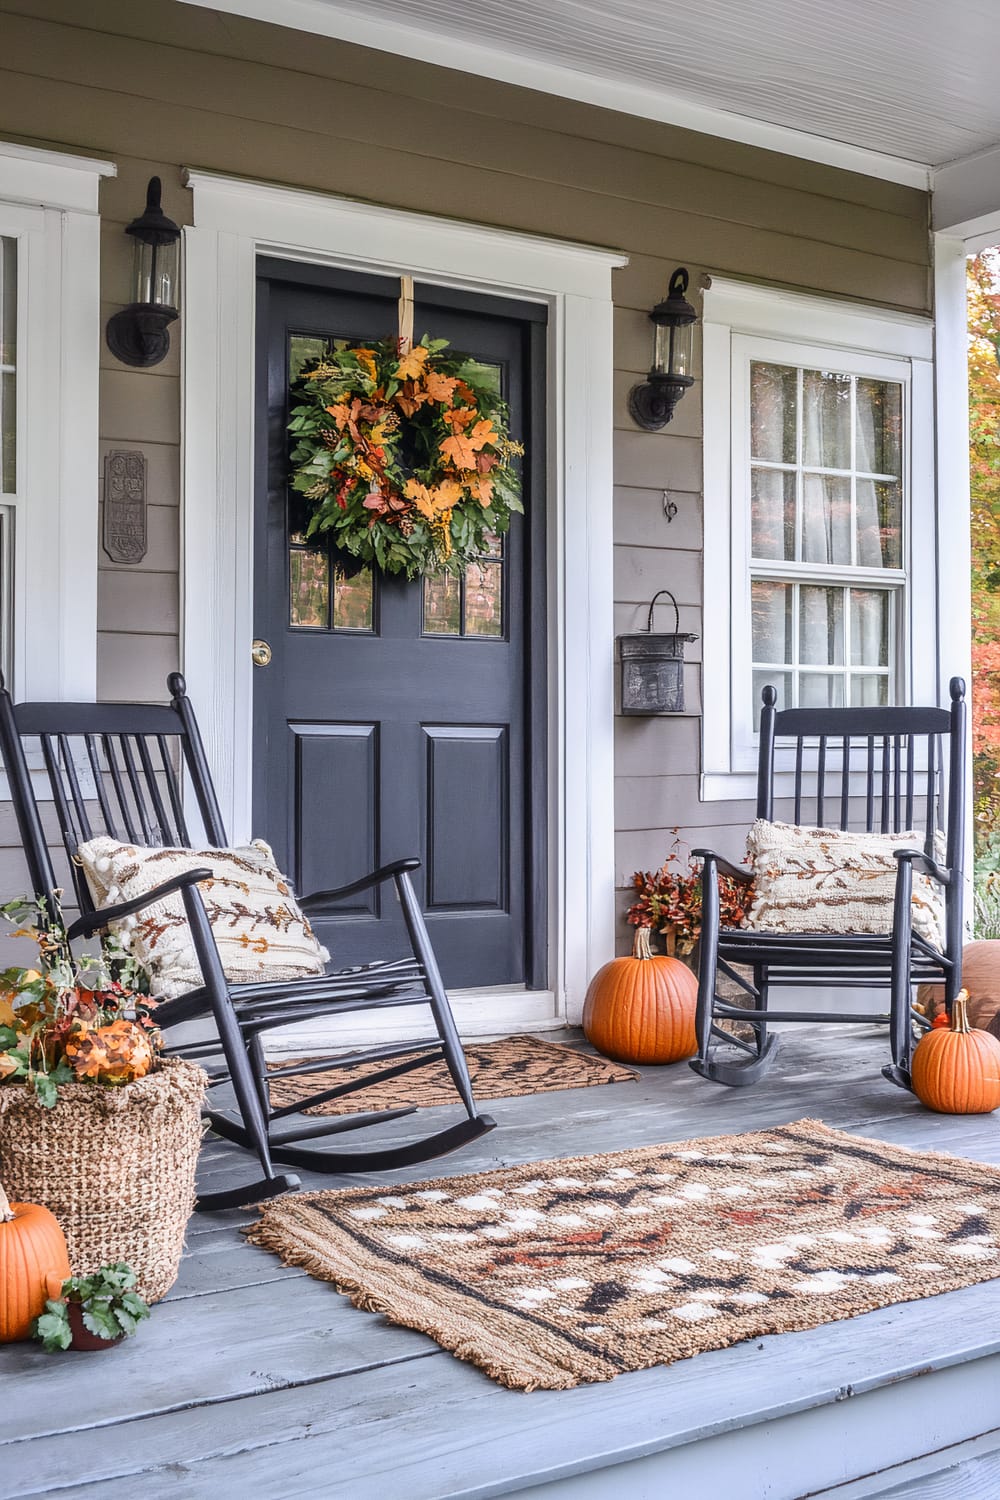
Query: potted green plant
x,y
92,1312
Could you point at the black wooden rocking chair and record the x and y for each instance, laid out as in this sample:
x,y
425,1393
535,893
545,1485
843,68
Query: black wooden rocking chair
x,y
888,762
112,769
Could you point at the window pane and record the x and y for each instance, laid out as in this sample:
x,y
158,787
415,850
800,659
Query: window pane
x,y
826,420
869,691
879,520
821,626
308,589
782,684
826,519
771,608
821,690
773,399
442,605
303,347
772,514
484,599
8,352
869,628
487,374
889,502
879,427
353,600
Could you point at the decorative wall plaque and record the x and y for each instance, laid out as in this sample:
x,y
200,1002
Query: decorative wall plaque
x,y
124,538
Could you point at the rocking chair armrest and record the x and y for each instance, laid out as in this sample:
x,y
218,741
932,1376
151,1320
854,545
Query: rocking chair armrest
x,y
377,877
928,866
93,921
723,867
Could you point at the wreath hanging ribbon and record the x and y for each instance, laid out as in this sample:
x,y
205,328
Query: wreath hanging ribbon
x,y
404,452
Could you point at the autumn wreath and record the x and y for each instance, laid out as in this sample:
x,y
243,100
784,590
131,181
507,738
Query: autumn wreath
x,y
405,455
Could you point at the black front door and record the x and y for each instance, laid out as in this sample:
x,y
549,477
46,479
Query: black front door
x,y
399,718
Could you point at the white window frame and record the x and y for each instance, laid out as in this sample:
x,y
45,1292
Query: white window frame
x,y
49,207
742,322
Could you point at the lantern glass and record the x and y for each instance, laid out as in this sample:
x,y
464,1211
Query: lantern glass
x,y
155,272
673,348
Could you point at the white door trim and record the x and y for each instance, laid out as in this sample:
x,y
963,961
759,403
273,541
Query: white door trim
x,y
234,222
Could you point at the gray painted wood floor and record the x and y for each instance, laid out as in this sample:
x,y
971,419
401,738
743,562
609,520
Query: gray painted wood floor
x,y
253,1378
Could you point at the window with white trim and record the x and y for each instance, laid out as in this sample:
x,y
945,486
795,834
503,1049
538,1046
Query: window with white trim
x,y
8,442
819,514
50,339
827,500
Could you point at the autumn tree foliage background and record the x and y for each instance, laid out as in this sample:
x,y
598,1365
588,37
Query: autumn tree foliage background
x,y
984,454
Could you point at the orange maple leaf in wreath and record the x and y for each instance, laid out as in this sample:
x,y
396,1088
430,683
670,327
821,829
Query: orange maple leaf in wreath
x,y
411,364
440,387
462,448
459,417
481,490
434,502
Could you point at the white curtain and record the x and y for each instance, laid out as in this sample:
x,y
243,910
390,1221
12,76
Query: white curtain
x,y
866,499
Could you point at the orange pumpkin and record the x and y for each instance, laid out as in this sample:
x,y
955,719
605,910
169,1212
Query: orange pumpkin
x,y
956,1069
111,1054
641,1009
32,1255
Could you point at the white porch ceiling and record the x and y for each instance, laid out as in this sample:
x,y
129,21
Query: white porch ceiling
x,y
894,87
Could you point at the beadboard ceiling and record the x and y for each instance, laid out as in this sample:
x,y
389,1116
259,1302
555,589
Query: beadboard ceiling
x,y
910,80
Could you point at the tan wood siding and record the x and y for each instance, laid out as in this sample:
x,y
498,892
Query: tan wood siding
x,y
160,86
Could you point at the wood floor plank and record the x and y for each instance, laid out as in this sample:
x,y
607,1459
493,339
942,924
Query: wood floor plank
x,y
442,1428
251,1371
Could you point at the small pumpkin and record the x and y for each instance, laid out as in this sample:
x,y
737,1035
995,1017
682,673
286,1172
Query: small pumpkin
x,y
956,1069
112,1054
641,1009
32,1255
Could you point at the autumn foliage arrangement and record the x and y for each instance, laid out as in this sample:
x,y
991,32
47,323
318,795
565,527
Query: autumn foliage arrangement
x,y
405,455
669,901
73,1019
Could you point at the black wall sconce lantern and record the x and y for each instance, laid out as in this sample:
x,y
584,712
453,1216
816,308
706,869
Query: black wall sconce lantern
x,y
138,334
652,403
653,666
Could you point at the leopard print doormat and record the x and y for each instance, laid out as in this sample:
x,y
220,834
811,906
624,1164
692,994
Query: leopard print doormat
x,y
558,1272
499,1070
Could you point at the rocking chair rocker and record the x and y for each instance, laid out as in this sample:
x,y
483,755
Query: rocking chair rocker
x,y
888,767
112,769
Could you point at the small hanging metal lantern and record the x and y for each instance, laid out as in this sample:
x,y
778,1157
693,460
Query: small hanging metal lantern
x,y
653,666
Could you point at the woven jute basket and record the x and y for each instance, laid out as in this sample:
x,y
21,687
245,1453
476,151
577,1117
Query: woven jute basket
x,y
115,1165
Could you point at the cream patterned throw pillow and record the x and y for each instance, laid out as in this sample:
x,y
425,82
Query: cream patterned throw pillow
x,y
826,880
260,930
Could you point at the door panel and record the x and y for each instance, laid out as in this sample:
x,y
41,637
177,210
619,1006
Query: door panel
x,y
467,781
336,778
400,718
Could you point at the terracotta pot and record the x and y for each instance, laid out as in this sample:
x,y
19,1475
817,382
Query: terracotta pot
x,y
83,1339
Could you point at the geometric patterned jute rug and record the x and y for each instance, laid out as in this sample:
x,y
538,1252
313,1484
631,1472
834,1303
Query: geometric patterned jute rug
x,y
499,1070
557,1272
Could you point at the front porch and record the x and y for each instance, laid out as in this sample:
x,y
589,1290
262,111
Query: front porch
x,y
253,1377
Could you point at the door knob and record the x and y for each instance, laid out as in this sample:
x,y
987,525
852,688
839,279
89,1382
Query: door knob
x,y
260,651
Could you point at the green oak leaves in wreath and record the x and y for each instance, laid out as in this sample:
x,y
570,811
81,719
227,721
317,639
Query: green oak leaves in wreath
x,y
405,456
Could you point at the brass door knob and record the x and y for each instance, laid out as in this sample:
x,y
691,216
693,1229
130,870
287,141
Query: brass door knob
x,y
260,651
